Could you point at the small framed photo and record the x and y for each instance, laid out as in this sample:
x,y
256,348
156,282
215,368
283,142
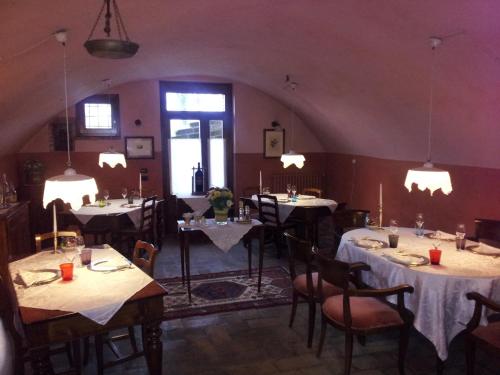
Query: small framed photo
x,y
139,148
274,143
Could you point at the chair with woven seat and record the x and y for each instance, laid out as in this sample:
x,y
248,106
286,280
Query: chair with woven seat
x,y
312,191
361,312
10,317
487,337
41,238
269,216
305,284
144,257
147,226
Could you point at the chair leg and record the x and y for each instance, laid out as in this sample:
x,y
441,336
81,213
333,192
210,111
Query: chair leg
x,y
348,353
294,308
133,341
322,336
99,352
312,318
470,354
404,337
277,244
361,340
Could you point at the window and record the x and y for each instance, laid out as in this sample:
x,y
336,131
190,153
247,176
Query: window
x,y
98,116
196,128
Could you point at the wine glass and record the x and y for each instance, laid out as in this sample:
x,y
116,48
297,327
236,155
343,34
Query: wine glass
x,y
80,244
288,189
393,226
294,190
460,237
124,192
105,194
419,225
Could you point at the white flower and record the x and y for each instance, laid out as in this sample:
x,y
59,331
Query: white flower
x,y
229,203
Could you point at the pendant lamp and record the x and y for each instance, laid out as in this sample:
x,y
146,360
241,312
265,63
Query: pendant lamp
x,y
108,47
292,157
112,158
70,186
427,176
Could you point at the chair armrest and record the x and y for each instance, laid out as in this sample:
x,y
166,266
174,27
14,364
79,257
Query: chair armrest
x,y
359,266
401,289
484,301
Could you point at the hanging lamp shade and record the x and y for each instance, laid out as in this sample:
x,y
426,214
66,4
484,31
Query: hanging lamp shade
x,y
291,157
428,177
112,158
110,48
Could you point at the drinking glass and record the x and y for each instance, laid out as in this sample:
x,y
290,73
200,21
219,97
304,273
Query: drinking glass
x,y
80,244
124,192
294,190
460,237
105,194
419,225
288,189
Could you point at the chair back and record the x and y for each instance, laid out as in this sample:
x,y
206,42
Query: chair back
x,y
268,209
488,231
148,212
9,313
299,250
334,271
250,190
145,257
42,237
312,191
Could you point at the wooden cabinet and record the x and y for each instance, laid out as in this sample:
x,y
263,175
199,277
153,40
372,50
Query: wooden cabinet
x,y
15,234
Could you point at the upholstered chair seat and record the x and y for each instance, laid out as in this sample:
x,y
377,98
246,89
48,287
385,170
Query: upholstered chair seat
x,y
300,285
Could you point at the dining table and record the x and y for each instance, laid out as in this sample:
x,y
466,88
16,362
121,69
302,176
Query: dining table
x,y
108,294
224,237
439,304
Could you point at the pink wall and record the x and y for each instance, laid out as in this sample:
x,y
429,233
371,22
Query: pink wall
x,y
476,192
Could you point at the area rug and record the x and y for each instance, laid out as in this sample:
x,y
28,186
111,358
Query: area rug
x,y
226,291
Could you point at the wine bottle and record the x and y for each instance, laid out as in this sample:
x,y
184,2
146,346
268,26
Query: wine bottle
x,y
198,180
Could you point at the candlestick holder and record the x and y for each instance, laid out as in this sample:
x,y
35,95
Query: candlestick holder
x,y
380,214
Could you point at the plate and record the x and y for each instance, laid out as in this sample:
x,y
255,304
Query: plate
x,y
476,249
243,221
414,260
283,200
432,236
106,265
302,197
51,275
130,205
369,243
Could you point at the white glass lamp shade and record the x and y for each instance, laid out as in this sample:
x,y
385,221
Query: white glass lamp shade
x,y
293,158
428,177
70,188
112,159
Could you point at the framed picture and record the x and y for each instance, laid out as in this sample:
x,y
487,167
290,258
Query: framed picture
x,y
139,148
274,143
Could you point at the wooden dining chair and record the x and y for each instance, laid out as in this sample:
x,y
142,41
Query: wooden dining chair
x,y
305,285
487,231
487,337
269,216
144,257
312,191
249,191
21,353
360,312
42,237
345,220
146,231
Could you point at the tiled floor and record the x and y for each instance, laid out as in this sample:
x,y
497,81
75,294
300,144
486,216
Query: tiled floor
x,y
259,342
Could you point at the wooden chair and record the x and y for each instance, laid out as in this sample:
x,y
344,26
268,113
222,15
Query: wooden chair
x,y
360,312
488,231
346,220
269,216
21,351
305,285
250,190
146,230
160,224
144,257
312,191
42,237
486,337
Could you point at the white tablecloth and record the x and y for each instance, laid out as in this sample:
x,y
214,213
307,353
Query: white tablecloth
x,y
85,213
286,208
439,303
199,204
223,236
95,295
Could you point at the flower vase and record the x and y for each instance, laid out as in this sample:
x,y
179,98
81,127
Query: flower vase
x,y
221,216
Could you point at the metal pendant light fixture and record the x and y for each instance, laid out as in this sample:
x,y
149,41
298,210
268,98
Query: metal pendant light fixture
x,y
292,157
112,158
428,177
108,47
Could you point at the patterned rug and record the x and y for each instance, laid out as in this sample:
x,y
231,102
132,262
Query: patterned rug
x,y
226,291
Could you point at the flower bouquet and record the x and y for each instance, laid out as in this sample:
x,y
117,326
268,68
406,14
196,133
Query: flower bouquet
x,y
221,199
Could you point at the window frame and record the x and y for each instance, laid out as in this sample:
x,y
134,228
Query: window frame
x,y
204,117
114,132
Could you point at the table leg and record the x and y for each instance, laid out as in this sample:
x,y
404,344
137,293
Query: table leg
x,y
40,362
153,348
261,255
187,263
181,248
249,249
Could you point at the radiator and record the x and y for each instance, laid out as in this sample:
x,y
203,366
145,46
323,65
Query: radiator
x,y
301,181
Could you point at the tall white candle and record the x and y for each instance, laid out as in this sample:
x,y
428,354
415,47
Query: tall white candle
x,y
380,196
260,182
380,210
140,185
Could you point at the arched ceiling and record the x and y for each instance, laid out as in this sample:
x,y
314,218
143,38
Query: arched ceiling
x,y
362,66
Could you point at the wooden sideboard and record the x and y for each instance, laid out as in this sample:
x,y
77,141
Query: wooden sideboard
x,y
15,233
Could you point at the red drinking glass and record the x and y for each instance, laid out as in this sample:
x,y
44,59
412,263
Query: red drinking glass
x,y
66,271
435,256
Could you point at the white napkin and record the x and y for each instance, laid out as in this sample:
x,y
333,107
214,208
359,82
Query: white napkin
x,y
30,278
440,235
368,243
486,249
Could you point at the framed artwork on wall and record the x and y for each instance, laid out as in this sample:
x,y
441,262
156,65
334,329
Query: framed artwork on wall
x,y
274,143
139,148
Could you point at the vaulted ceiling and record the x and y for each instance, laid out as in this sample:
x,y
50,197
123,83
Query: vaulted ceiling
x,y
363,67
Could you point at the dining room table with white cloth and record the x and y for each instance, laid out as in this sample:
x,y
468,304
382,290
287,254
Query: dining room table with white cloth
x,y
439,301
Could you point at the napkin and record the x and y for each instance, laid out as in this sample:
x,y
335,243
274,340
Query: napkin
x,y
486,249
439,235
30,278
368,243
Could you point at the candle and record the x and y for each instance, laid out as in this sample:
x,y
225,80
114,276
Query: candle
x,y
260,182
380,206
380,196
140,185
